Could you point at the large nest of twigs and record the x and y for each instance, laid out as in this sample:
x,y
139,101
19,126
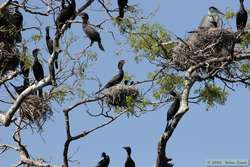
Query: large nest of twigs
x,y
8,54
202,45
9,59
35,110
121,95
8,31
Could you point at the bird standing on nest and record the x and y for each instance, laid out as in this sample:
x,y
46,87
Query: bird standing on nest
x,y
116,79
104,162
173,109
17,22
49,43
129,162
121,5
65,14
213,19
37,69
241,17
91,33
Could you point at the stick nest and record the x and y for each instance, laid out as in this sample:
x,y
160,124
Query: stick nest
x,y
202,45
36,110
121,95
9,59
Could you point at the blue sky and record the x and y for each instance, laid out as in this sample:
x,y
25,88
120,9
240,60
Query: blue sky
x,y
220,133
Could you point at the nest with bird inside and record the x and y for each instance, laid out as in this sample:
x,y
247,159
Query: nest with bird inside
x,y
121,95
9,59
36,110
202,45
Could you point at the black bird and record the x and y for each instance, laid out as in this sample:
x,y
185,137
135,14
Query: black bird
x,y
37,69
91,33
18,89
129,162
121,5
126,82
49,43
65,14
18,23
104,162
174,106
117,78
241,17
25,71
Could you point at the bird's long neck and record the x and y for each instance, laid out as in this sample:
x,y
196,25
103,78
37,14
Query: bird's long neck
x,y
35,57
242,5
84,22
47,34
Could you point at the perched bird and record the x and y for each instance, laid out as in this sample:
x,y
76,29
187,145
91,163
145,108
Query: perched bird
x,y
18,89
213,19
117,78
173,109
241,17
126,82
91,33
104,162
129,162
65,14
121,5
49,43
37,69
25,71
17,21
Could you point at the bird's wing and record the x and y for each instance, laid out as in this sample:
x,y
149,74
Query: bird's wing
x,y
204,21
92,33
115,80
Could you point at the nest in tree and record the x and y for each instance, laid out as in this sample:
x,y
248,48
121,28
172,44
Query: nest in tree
x,y
35,110
121,95
9,59
8,30
202,45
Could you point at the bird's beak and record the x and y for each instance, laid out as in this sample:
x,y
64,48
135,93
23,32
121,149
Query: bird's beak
x,y
220,12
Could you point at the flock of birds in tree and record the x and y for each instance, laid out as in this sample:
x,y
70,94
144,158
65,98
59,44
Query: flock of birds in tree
x,y
106,160
213,19
66,13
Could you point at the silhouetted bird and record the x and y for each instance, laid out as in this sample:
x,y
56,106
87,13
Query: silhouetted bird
x,y
213,19
126,82
173,109
91,33
129,162
65,14
49,43
104,162
117,78
121,5
241,17
37,69
25,71
18,89
18,23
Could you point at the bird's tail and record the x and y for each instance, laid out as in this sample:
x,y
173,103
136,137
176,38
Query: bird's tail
x,y
40,92
100,46
56,61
